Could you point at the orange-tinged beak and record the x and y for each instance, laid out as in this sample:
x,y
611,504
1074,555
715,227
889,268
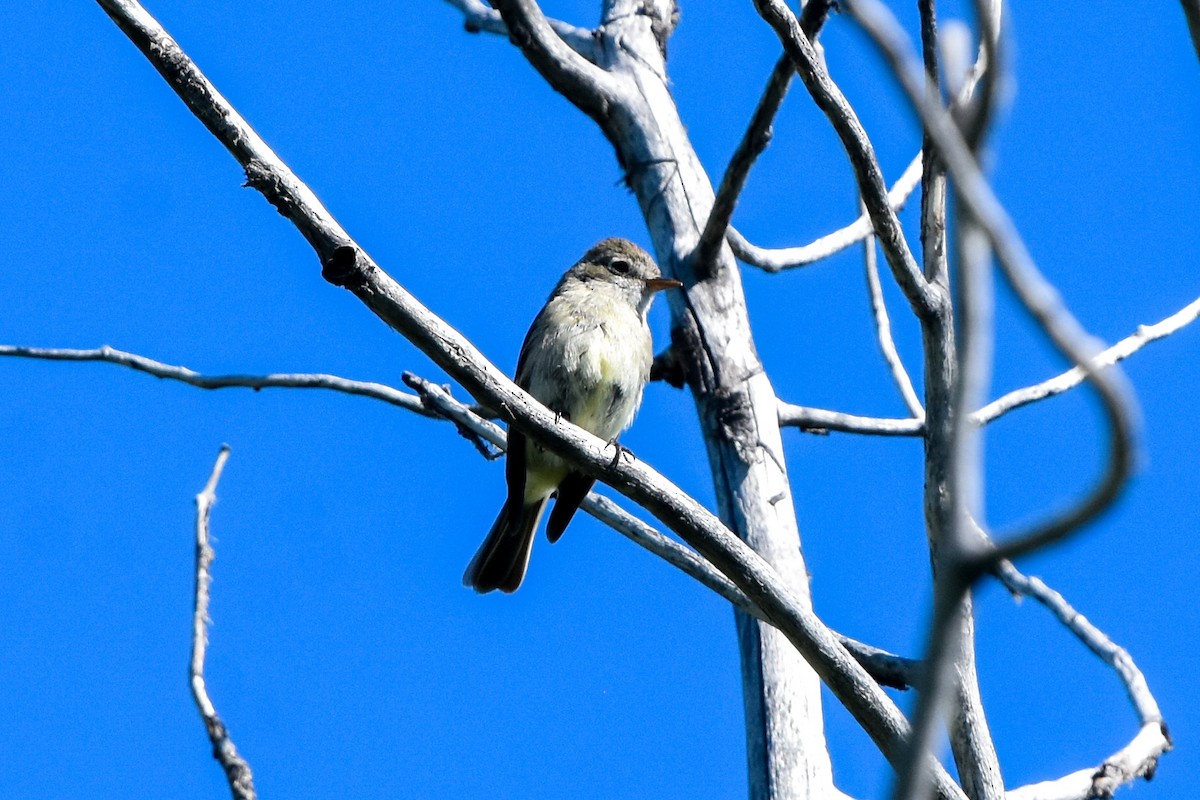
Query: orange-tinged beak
x,y
658,284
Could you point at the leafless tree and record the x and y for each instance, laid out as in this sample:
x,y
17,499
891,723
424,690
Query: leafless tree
x,y
749,551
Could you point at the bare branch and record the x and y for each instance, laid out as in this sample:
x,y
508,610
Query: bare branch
x,y
478,18
883,333
1108,651
829,98
158,369
1123,349
775,260
579,80
237,771
470,424
755,141
818,420
1042,301
1138,759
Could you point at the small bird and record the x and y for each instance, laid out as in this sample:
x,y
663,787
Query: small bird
x,y
587,358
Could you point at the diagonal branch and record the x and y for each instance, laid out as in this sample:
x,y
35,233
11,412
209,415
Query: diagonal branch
x,y
478,18
883,333
569,73
923,298
1144,335
237,771
887,669
776,260
754,142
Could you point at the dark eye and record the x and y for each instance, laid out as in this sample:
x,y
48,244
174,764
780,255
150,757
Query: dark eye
x,y
620,266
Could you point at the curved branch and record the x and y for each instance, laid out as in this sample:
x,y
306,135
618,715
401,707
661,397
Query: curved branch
x,y
776,260
478,17
570,74
344,264
1138,759
1041,300
1191,12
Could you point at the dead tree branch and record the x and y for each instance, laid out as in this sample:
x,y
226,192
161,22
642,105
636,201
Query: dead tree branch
x,y
779,259
237,771
1144,335
480,18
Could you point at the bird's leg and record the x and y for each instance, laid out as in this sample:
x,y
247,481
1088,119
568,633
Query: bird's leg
x,y
620,450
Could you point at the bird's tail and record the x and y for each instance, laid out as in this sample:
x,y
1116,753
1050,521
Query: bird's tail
x,y
503,557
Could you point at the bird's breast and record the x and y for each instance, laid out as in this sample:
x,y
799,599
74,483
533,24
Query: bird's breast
x,y
594,362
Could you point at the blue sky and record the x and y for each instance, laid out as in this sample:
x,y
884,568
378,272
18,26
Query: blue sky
x,y
346,657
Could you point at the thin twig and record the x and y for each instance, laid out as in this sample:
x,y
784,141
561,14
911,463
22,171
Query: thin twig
x,y
1095,639
754,142
173,372
237,771
1144,335
778,259
478,18
883,333
886,668
819,420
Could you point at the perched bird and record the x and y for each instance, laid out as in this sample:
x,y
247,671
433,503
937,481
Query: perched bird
x,y
587,358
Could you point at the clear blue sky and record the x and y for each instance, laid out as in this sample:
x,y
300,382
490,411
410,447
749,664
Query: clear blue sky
x,y
346,657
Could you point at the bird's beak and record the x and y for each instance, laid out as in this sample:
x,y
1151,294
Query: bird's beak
x,y
658,284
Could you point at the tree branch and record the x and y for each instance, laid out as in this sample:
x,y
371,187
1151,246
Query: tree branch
x,y
818,420
883,333
1041,300
1137,759
776,260
158,369
478,18
886,668
829,98
570,74
754,142
237,771
1144,335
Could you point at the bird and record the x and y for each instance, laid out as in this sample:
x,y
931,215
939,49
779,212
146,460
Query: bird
x,y
587,358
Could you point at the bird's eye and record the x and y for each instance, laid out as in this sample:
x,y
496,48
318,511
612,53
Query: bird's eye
x,y
620,266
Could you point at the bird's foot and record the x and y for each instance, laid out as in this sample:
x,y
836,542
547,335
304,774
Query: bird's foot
x,y
619,451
